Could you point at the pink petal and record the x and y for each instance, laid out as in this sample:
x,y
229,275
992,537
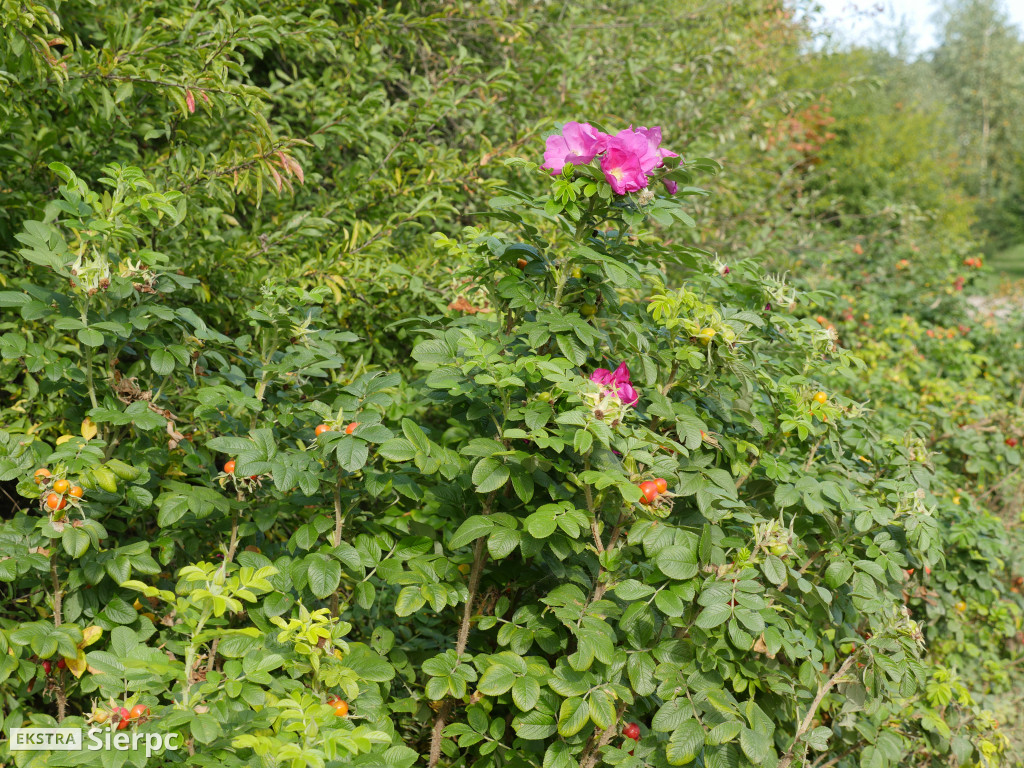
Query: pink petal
x,y
556,150
621,375
628,395
578,143
622,168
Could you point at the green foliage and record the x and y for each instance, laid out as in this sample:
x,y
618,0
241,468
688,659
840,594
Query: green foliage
x,y
293,238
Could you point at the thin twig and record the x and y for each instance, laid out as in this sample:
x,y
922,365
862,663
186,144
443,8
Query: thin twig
x,y
479,559
58,618
808,720
592,751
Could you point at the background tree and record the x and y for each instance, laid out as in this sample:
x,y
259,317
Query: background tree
x,y
979,62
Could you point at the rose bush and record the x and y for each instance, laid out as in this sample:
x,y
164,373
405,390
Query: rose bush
x,y
490,581
580,482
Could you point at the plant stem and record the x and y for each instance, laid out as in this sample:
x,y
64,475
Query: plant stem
x,y
190,658
339,523
57,595
563,278
62,699
589,756
479,559
590,508
805,725
232,545
671,378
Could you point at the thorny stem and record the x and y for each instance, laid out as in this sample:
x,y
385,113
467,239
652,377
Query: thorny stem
x,y
563,278
671,378
190,658
808,720
765,451
589,756
339,523
58,597
581,227
479,559
88,358
232,542
813,453
89,379
232,546
616,531
590,508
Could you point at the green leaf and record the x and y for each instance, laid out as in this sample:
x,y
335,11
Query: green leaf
x,y
631,589
671,715
502,542
90,337
541,523
118,611
489,475
724,732
352,453
525,693
12,299
602,709
774,569
838,573
75,541
368,664
410,600
713,616
323,574
786,496
818,738
397,449
640,668
534,725
572,716
161,361
364,594
496,680
676,562
685,743
755,745
471,530
205,727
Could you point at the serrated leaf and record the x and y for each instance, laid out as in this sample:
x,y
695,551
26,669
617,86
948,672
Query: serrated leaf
x,y
470,530
677,562
323,575
525,693
572,716
685,743
489,475
713,616
496,680
774,569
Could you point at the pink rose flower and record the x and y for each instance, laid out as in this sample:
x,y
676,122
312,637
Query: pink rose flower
x,y
619,381
655,154
578,143
628,395
626,158
622,163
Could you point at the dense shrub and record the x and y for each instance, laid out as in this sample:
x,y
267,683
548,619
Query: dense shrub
x,y
360,409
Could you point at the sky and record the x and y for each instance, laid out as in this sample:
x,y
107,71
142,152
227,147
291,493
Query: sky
x,y
870,19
